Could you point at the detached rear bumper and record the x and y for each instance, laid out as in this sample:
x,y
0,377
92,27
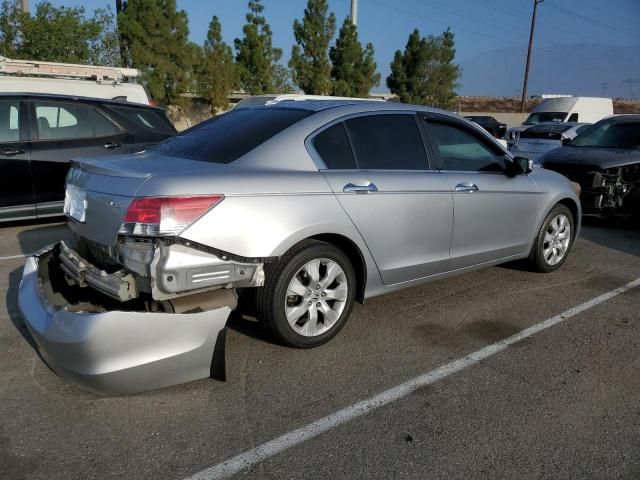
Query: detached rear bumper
x,y
111,352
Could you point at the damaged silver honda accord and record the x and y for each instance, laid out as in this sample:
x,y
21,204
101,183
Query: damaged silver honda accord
x,y
314,204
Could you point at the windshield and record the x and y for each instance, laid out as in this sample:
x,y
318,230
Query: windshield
x,y
540,117
610,134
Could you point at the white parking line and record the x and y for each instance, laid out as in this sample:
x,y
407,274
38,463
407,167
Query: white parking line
x,y
295,437
13,257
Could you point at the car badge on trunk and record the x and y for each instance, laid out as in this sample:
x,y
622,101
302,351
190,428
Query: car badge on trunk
x,y
113,204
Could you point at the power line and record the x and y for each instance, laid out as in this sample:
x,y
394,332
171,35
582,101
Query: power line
x,y
591,20
433,19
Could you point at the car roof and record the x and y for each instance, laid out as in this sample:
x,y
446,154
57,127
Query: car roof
x,y
57,96
361,105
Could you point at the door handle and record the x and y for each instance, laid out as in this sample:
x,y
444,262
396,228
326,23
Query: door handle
x,y
110,145
360,188
466,187
11,151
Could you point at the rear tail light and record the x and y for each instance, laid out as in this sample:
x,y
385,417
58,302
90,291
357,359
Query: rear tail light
x,y
153,216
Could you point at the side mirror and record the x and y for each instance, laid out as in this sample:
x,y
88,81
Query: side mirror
x,y
565,140
522,165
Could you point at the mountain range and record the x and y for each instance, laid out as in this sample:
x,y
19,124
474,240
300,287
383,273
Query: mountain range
x,y
578,69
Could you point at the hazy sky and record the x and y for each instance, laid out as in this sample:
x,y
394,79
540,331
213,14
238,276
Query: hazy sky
x,y
479,25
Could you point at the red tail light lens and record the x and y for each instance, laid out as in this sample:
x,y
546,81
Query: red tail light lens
x,y
165,215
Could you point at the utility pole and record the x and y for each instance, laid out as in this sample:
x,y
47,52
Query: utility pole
x,y
25,6
631,82
604,88
526,70
354,12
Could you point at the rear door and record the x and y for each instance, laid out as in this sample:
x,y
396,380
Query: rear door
x,y
16,189
495,212
65,130
378,168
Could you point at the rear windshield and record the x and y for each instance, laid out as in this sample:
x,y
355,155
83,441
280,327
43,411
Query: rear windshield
x,y
150,119
227,137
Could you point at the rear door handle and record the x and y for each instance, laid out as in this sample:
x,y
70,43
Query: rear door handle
x,y
360,188
11,151
466,187
110,145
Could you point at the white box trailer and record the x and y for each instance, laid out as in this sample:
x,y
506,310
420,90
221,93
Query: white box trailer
x,y
29,76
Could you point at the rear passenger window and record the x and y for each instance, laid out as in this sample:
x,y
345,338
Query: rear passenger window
x,y
387,142
462,151
63,121
103,127
9,121
333,147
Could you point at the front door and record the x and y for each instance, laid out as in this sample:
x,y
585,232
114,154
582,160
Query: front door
x,y
16,189
495,212
402,209
67,130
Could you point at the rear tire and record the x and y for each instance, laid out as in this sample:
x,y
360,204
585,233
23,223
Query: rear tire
x,y
308,294
554,240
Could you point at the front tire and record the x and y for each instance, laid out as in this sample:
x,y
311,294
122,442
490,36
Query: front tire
x,y
308,294
554,240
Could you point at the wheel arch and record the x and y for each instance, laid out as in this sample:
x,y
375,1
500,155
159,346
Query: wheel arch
x,y
353,252
574,208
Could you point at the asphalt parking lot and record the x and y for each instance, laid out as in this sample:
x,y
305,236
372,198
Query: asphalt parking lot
x,y
563,403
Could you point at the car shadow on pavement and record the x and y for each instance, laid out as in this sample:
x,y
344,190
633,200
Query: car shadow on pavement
x,y
14,310
37,237
618,232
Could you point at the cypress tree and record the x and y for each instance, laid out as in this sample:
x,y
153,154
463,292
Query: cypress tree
x,y
217,75
256,58
425,72
309,62
354,69
156,35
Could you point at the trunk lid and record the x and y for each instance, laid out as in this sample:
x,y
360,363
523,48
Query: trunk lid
x,y
109,185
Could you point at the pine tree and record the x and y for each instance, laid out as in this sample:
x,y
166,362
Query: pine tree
x,y
217,74
256,58
309,60
156,35
354,69
425,73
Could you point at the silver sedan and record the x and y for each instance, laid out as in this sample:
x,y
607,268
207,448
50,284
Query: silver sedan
x,y
310,206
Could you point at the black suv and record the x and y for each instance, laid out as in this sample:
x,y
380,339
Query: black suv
x,y
490,124
40,133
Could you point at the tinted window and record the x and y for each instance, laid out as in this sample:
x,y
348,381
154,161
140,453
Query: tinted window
x,y
460,150
227,137
9,121
63,121
610,133
389,142
333,146
103,126
149,119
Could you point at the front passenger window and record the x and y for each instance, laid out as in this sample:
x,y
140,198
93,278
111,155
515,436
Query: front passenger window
x,y
462,151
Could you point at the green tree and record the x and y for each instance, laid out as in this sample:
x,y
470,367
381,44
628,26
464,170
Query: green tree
x,y
354,69
256,58
309,60
156,35
12,19
58,34
217,75
425,72
105,49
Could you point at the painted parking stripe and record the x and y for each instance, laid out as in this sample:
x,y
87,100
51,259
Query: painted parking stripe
x,y
311,430
13,257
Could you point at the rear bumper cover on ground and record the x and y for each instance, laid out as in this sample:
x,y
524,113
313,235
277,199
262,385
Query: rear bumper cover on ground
x,y
116,352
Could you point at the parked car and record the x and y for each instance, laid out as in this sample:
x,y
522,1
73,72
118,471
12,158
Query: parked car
x,y
605,160
316,204
545,136
564,109
39,134
490,124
